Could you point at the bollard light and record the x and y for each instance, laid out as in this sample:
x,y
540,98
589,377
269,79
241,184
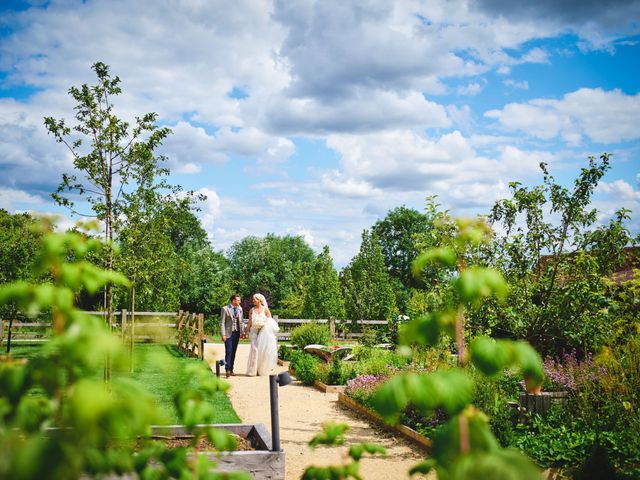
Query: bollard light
x,y
219,363
204,340
281,380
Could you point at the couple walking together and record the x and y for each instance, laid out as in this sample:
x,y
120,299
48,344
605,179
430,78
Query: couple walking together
x,y
262,328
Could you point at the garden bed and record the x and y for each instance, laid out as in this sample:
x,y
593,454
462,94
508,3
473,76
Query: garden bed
x,y
257,459
329,388
408,433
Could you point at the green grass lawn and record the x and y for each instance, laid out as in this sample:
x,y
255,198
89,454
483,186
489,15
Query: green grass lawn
x,y
161,370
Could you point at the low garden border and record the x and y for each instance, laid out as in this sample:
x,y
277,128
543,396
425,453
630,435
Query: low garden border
x,y
261,463
408,433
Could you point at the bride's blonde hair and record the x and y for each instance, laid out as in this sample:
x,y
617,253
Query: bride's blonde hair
x,y
261,299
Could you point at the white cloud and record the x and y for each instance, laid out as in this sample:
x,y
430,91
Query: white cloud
x,y
461,117
620,190
365,111
470,89
210,208
335,183
602,116
523,85
10,199
362,77
189,147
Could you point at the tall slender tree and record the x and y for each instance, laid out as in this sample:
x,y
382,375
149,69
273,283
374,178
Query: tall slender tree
x,y
110,156
323,298
366,283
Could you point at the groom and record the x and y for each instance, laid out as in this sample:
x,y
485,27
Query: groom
x,y
231,325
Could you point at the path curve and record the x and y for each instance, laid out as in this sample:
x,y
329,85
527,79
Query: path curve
x,y
302,413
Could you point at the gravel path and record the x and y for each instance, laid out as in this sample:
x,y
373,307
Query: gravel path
x,y
302,412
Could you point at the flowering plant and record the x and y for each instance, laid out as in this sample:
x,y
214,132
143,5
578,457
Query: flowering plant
x,y
572,374
363,387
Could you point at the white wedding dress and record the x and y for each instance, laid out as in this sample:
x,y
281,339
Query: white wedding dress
x,y
263,354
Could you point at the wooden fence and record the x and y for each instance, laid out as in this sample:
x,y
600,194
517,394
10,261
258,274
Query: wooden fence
x,y
149,327
187,329
337,328
24,332
129,325
191,333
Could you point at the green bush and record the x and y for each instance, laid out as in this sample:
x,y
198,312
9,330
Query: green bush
x,y
375,361
305,367
492,397
284,352
309,334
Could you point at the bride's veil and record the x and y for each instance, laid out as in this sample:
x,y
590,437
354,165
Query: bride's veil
x,y
263,300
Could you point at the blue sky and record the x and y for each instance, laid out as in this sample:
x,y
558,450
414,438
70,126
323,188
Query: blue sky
x,y
315,118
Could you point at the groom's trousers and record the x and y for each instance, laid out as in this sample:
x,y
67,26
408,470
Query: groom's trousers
x,y
230,349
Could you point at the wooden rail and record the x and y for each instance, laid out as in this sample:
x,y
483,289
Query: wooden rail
x,y
191,333
13,331
337,328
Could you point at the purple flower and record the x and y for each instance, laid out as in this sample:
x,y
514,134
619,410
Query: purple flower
x,y
364,382
569,373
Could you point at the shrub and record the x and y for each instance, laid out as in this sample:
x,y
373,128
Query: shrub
x,y
309,334
492,397
374,361
305,367
362,387
569,373
284,352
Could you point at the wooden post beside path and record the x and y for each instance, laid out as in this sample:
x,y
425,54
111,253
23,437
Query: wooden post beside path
x,y
200,336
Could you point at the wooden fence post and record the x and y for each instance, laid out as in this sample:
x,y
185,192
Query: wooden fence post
x,y
123,322
332,327
200,335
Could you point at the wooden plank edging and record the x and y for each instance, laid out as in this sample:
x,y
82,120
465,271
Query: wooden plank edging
x,y
323,387
409,433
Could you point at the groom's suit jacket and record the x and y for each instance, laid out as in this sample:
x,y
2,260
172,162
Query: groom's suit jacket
x,y
227,318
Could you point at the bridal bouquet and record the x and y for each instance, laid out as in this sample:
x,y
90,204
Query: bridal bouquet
x,y
258,323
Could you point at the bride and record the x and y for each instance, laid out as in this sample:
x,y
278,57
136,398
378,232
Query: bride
x,y
263,354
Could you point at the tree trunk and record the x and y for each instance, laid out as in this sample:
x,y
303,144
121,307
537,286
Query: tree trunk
x,y
133,324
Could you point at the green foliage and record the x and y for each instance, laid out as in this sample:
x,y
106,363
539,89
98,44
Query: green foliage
x,y
276,266
56,419
112,157
312,333
165,372
305,367
377,361
284,352
19,243
463,447
396,232
557,269
323,298
20,240
333,435
492,396
366,283
206,283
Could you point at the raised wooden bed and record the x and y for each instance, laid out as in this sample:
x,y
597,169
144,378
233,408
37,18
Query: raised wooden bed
x,y
329,388
318,384
409,433
262,463
541,402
